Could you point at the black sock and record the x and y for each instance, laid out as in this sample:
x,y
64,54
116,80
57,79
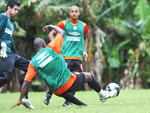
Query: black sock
x,y
94,84
70,97
49,92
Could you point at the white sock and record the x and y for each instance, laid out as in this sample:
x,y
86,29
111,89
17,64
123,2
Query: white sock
x,y
101,92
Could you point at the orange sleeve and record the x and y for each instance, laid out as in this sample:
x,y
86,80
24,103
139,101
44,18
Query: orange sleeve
x,y
85,29
61,24
31,73
56,44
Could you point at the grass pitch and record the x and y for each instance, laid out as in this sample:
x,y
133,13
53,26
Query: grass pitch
x,y
128,101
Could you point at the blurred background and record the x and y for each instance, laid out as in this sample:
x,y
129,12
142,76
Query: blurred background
x,y
119,38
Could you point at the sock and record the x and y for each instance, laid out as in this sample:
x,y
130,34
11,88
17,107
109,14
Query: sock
x,y
102,92
49,93
70,97
94,84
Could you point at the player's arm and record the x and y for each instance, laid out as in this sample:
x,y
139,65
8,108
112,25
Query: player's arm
x,y
31,73
52,34
85,55
85,43
59,31
23,91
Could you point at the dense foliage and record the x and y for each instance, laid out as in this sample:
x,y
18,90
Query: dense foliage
x,y
122,28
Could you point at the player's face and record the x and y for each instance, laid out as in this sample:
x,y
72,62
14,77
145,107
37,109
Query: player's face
x,y
14,11
74,13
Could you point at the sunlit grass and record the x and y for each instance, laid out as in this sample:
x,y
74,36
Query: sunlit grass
x,y
128,101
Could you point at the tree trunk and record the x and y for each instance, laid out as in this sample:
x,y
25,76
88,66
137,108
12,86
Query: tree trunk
x,y
95,60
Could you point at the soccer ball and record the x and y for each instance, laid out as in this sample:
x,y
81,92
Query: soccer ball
x,y
113,87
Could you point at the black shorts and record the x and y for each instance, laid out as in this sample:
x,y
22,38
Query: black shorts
x,y
78,83
74,65
13,60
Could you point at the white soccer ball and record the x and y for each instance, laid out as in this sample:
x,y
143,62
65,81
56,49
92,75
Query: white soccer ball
x,y
113,87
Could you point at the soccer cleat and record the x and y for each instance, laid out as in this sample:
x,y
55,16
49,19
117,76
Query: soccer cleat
x,y
67,104
107,94
47,98
104,95
27,103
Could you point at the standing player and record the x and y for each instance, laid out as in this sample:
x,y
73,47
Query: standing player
x,y
8,58
52,69
74,46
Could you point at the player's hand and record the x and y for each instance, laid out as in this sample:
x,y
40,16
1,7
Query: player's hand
x,y
3,53
17,104
85,56
47,27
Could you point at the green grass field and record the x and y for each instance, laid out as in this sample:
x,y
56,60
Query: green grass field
x,y
128,101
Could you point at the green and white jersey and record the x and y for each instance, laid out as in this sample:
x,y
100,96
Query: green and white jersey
x,y
73,44
6,32
51,68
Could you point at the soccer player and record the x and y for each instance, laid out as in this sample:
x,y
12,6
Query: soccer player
x,y
8,58
51,67
74,46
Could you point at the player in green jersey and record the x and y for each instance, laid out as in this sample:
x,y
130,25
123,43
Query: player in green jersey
x,y
8,58
51,67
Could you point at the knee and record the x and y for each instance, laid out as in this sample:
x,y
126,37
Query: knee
x,y
88,76
7,77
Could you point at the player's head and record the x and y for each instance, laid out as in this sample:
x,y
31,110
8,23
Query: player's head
x,y
39,44
74,12
12,8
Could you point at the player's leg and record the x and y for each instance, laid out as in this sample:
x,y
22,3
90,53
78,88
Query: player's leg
x,y
75,87
22,64
6,68
4,78
77,65
74,66
49,93
48,97
70,97
69,63
95,85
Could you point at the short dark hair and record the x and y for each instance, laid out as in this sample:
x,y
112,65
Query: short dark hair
x,y
12,3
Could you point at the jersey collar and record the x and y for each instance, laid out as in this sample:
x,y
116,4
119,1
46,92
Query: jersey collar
x,y
74,23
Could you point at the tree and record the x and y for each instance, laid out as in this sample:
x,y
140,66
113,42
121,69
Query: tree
x,y
118,35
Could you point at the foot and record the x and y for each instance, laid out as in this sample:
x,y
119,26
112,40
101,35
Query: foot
x,y
67,104
104,95
47,98
107,94
27,103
